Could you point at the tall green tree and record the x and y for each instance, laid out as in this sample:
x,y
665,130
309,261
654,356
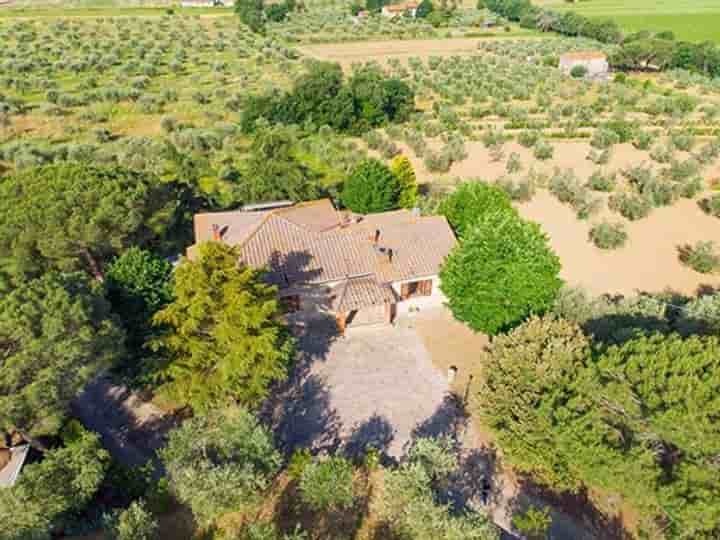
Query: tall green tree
x,y
77,216
520,398
501,272
251,14
370,188
56,334
651,433
64,481
138,284
223,335
272,172
404,172
220,462
469,202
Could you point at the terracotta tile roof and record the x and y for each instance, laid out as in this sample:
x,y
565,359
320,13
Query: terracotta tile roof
x,y
10,472
357,293
312,243
584,55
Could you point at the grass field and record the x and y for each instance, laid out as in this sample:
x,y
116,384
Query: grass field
x,y
693,20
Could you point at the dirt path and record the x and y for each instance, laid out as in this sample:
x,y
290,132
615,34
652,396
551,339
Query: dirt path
x,y
131,429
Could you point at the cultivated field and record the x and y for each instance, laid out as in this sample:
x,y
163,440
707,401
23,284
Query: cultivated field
x,y
693,20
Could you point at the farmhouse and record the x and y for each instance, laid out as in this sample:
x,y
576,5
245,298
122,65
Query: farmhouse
x,y
363,269
595,62
397,10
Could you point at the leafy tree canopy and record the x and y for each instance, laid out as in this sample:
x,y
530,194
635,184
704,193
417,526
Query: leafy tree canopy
x,y
136,522
500,273
471,200
522,370
65,480
409,504
220,462
77,216
371,188
56,334
636,419
223,335
139,284
272,172
322,97
251,14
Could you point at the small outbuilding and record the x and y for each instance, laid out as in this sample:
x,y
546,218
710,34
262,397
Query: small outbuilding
x,y
595,63
398,10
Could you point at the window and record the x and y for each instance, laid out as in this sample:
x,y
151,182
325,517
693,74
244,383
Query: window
x,y
291,303
416,288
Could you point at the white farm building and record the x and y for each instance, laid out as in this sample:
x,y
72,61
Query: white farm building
x,y
595,62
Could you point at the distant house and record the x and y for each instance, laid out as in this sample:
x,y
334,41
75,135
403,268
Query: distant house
x,y
398,10
361,269
595,62
11,462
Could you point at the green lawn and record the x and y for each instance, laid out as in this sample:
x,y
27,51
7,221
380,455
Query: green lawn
x,y
692,20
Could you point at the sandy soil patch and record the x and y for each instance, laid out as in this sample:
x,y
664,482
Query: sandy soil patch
x,y
648,262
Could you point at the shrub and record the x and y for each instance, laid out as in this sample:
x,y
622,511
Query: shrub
x,y
604,182
703,257
533,522
711,205
133,523
643,140
513,163
578,72
328,485
370,188
683,141
299,460
501,272
520,190
630,205
528,138
604,138
543,150
608,235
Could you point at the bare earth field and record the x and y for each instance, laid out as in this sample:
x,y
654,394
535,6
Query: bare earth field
x,y
648,262
381,51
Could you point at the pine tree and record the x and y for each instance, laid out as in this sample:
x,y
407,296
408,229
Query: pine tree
x,y
404,172
224,338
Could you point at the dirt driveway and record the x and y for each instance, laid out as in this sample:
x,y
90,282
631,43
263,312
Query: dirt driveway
x,y
375,387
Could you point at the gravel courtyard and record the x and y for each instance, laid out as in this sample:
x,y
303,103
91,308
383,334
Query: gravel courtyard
x,y
376,387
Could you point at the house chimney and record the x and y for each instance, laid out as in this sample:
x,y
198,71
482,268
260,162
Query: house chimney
x,y
376,239
216,232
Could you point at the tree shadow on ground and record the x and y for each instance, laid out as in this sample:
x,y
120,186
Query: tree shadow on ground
x,y
450,419
569,511
374,433
299,409
131,429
